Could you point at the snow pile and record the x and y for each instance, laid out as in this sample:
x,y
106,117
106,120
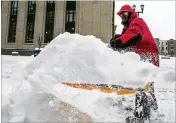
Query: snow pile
x,y
85,59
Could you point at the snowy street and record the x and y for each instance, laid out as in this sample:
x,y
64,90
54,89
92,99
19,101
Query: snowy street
x,y
32,92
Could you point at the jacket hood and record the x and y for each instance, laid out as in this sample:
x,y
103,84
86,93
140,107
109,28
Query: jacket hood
x,y
128,8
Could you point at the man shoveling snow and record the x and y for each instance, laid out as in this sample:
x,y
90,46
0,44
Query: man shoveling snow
x,y
136,36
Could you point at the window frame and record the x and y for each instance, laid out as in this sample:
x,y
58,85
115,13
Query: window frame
x,y
70,17
13,19
49,21
30,23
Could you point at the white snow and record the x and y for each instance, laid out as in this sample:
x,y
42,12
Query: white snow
x,y
86,59
38,48
32,89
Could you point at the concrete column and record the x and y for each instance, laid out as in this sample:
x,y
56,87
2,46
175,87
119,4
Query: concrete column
x,y
5,22
96,23
39,20
78,16
59,21
106,20
95,18
87,17
21,23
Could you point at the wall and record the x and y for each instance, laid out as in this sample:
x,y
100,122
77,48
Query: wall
x,y
92,18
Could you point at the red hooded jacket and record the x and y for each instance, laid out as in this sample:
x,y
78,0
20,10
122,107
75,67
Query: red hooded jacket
x,y
147,46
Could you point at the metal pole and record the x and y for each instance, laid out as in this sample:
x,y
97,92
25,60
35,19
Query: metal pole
x,y
113,7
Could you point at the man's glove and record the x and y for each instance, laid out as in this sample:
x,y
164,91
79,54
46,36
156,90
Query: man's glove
x,y
116,44
116,36
112,41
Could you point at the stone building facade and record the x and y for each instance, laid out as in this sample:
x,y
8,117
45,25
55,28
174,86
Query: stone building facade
x,y
23,21
163,47
172,47
166,47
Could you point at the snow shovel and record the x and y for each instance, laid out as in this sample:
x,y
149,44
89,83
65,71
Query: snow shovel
x,y
119,90
144,98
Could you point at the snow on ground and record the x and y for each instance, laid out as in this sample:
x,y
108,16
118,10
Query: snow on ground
x,y
32,89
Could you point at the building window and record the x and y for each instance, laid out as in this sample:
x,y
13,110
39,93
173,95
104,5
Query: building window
x,y
49,21
171,47
13,22
30,22
70,16
172,53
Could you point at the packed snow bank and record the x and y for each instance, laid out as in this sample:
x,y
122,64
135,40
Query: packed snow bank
x,y
86,59
82,59
23,102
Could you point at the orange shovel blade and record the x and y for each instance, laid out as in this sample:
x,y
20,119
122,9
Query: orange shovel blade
x,y
103,87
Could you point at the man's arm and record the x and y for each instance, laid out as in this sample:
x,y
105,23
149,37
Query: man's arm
x,y
132,35
132,41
